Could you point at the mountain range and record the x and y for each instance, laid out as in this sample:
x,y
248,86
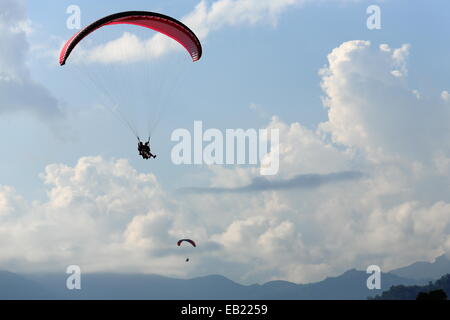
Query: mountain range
x,y
348,286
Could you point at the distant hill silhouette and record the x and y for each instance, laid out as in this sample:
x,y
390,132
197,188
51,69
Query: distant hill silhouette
x,y
403,292
349,285
425,270
402,283
14,286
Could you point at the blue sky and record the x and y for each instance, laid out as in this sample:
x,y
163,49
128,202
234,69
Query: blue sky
x,y
274,64
274,67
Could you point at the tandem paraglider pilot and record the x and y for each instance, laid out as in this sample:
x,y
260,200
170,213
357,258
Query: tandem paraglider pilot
x,y
144,150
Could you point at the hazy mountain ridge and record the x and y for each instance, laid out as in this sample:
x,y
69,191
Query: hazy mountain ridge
x,y
14,286
349,285
423,270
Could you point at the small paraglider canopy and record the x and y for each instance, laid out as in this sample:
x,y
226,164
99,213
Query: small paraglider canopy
x,y
186,240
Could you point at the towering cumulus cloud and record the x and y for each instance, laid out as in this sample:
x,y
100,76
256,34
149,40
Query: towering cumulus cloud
x,y
371,108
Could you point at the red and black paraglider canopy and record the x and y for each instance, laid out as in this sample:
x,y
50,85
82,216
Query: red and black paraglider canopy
x,y
186,240
152,20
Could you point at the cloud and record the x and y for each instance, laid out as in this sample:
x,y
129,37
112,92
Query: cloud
x,y
396,215
18,90
104,215
203,20
371,108
95,211
306,181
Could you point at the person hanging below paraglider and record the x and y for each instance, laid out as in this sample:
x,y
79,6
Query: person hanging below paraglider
x,y
144,150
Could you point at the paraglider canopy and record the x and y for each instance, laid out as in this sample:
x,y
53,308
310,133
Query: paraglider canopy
x,y
152,20
186,240
133,90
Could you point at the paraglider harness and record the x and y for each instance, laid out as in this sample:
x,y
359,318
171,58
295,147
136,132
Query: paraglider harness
x,y
144,149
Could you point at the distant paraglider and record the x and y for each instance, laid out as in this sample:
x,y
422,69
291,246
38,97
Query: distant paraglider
x,y
186,240
189,241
